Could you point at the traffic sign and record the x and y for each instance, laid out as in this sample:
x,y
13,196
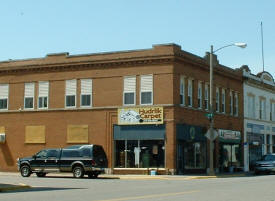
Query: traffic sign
x,y
215,134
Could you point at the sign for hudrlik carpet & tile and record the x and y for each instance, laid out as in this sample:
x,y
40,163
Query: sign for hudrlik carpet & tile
x,y
142,115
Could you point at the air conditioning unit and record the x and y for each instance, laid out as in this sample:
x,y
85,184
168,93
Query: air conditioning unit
x,y
2,137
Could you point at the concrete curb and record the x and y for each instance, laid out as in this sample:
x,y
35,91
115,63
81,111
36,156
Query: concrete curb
x,y
13,187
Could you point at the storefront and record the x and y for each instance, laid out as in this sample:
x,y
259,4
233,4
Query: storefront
x,y
139,138
229,150
191,149
256,142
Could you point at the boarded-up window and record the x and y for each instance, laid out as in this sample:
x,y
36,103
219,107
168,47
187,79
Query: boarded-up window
x,y
35,134
77,134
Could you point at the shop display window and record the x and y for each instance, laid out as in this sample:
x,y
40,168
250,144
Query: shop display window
x,y
195,155
230,156
139,153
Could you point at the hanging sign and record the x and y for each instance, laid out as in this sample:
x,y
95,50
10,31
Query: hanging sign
x,y
142,115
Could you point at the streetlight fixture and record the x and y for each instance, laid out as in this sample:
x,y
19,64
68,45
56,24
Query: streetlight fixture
x,y
211,167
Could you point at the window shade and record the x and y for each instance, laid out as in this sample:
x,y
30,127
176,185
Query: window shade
x,y
70,87
43,89
86,86
146,83
29,89
130,84
4,91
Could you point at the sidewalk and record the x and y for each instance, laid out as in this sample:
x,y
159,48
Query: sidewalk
x,y
14,187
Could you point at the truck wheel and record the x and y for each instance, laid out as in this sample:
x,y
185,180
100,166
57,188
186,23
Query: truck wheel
x,y
40,174
78,172
25,171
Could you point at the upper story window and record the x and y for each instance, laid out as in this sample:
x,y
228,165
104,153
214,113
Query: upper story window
x,y
206,97
262,111
70,100
146,89
43,93
4,96
182,90
236,104
251,106
230,103
217,99
29,96
190,93
223,100
199,95
129,90
272,111
86,92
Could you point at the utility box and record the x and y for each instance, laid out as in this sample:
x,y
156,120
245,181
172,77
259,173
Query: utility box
x,y
2,137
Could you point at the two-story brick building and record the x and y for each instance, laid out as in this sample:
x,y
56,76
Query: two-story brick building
x,y
146,107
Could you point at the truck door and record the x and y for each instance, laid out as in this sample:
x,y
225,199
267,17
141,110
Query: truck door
x,y
38,163
52,160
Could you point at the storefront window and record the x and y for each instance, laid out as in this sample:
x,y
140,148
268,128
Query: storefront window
x,y
229,156
139,153
194,155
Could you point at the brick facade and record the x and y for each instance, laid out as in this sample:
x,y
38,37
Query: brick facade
x,y
165,62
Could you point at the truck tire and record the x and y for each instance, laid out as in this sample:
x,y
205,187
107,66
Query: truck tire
x,y
40,174
78,171
25,171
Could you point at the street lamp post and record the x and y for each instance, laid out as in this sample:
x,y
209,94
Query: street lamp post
x,y
211,147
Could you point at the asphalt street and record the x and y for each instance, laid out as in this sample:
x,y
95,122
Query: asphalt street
x,y
251,188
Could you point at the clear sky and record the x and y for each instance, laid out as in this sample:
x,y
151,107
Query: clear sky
x,y
33,28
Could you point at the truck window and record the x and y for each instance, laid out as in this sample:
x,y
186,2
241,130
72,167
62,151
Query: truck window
x,y
52,153
86,152
70,153
41,154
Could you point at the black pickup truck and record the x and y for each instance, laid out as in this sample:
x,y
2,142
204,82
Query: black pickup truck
x,y
78,159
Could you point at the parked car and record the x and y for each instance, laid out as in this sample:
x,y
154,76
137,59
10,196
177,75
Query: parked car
x,y
78,159
265,165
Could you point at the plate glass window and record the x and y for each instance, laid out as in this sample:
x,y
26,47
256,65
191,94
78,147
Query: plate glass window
x,y
146,90
70,93
86,92
29,96
129,90
4,94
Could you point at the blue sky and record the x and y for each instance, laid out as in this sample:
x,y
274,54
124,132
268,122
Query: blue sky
x,y
32,28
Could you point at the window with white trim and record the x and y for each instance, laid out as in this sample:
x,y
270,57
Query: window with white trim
x,y
251,106
262,108
206,95
236,104
70,99
146,89
43,93
230,103
217,99
86,92
199,95
182,90
4,96
29,96
273,111
223,100
129,90
190,93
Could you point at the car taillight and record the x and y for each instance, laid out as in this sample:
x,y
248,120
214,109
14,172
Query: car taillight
x,y
93,163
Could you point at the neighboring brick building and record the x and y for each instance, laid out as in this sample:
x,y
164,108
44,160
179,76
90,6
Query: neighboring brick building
x,y
146,107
